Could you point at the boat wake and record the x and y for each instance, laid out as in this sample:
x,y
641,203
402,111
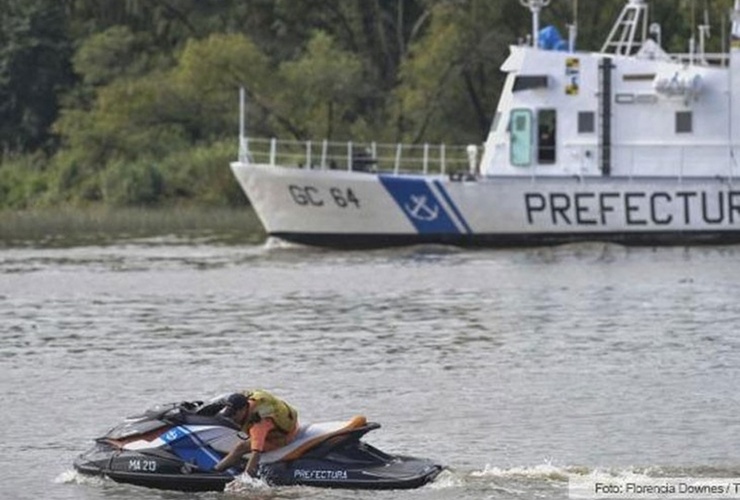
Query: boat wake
x,y
245,485
552,481
71,476
544,480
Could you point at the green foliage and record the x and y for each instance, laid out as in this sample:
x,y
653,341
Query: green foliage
x,y
127,183
150,115
449,84
202,174
34,68
23,183
206,80
122,126
72,180
114,53
148,128
160,112
322,88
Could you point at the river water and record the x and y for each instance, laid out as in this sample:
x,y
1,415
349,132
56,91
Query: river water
x,y
518,369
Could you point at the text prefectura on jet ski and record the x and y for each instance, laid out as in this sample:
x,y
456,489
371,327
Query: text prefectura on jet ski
x,y
175,446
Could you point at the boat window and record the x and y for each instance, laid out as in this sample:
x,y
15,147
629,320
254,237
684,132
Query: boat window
x,y
530,82
684,122
586,122
624,98
546,139
521,137
639,77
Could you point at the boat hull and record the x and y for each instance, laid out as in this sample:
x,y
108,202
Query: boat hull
x,y
376,241
395,472
341,209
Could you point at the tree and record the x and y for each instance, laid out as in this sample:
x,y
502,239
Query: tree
x,y
450,81
322,89
34,70
156,79
144,119
115,53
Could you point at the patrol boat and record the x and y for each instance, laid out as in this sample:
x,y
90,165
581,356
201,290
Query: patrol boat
x,y
630,145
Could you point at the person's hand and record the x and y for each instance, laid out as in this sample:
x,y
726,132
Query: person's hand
x,y
253,464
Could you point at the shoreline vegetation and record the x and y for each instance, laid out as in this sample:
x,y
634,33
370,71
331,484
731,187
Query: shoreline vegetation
x,y
130,109
105,226
135,103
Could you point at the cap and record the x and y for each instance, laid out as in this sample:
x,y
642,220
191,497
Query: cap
x,y
233,404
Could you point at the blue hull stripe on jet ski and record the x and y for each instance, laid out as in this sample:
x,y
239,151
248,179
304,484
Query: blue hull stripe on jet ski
x,y
420,204
453,207
190,448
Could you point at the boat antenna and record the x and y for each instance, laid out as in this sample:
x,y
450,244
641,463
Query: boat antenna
x,y
535,7
573,28
244,156
692,39
704,33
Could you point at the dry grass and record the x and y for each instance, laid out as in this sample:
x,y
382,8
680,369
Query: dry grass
x,y
69,227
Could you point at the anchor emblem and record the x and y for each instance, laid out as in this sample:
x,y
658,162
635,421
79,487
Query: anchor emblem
x,y
171,435
420,210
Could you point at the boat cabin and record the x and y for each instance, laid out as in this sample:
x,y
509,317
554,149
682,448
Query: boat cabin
x,y
629,110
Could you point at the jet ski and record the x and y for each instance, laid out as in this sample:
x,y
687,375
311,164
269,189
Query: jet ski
x,y
175,447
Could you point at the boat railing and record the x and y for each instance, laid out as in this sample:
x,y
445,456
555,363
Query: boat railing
x,y
361,156
702,59
626,160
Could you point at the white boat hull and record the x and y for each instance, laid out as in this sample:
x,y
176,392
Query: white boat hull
x,y
629,145
344,209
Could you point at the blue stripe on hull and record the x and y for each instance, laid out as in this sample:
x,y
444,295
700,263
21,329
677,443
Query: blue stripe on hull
x,y
420,204
453,207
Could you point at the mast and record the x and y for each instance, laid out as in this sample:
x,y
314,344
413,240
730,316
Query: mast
x,y
244,156
535,6
573,29
630,30
734,82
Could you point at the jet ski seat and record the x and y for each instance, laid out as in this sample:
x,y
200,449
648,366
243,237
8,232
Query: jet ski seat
x,y
310,435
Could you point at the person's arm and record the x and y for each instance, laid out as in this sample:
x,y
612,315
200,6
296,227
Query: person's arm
x,y
253,463
257,437
233,456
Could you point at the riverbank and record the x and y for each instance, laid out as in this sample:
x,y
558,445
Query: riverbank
x,y
100,226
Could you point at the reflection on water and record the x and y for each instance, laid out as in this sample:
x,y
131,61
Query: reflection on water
x,y
518,369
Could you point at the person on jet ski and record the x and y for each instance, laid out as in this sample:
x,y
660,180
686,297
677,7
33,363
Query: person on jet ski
x,y
269,423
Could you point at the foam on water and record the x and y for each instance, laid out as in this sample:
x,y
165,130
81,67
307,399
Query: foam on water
x,y
246,484
71,476
447,480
